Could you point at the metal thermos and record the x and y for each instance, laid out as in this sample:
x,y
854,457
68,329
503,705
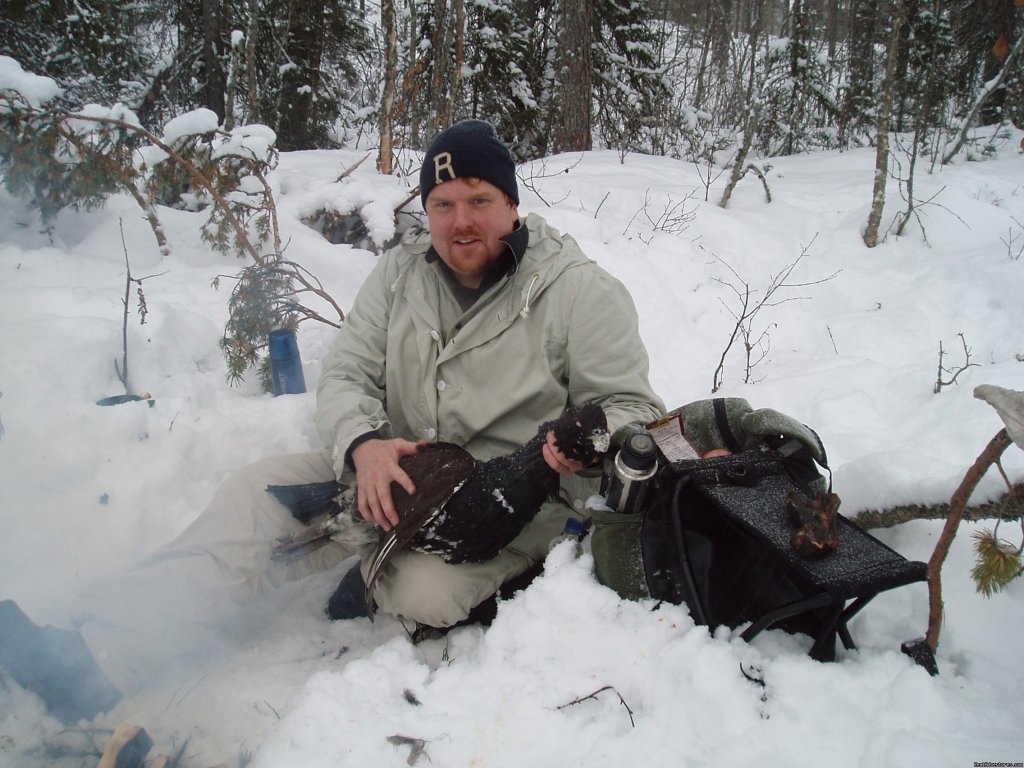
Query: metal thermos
x,y
628,477
285,363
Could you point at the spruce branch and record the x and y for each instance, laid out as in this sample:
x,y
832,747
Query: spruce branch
x,y
128,177
85,157
998,562
197,178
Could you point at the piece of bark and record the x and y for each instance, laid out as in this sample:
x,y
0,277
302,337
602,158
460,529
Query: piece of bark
x,y
817,534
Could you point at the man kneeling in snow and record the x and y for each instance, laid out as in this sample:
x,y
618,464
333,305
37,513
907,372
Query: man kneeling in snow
x,y
474,334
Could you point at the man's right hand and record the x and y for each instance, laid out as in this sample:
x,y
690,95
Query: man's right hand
x,y
376,463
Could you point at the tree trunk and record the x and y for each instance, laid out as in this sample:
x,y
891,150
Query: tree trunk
x,y
455,57
799,64
754,99
698,97
252,108
882,131
214,90
386,155
300,83
1003,28
572,128
440,77
721,44
860,92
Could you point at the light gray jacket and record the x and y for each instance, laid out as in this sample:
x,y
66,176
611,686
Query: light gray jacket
x,y
409,363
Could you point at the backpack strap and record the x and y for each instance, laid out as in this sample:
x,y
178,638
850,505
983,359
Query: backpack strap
x,y
718,406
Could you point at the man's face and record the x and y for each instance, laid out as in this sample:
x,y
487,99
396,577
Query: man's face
x,y
467,217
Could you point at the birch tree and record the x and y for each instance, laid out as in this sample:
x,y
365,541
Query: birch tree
x,y
896,16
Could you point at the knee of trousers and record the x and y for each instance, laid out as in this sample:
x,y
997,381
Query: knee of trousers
x,y
241,508
424,588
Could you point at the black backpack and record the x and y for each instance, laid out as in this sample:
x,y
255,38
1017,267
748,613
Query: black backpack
x,y
725,535
688,543
696,549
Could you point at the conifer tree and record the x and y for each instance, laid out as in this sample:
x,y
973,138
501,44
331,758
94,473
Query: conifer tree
x,y
571,113
89,47
506,62
319,40
629,88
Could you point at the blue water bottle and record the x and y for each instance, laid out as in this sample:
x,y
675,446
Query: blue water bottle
x,y
285,363
573,531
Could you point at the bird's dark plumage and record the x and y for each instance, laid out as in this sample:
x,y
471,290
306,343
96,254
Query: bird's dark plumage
x,y
467,510
488,503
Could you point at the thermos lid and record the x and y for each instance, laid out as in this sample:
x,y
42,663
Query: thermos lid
x,y
639,451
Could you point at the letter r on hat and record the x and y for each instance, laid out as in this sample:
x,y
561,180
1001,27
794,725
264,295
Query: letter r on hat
x,y
443,162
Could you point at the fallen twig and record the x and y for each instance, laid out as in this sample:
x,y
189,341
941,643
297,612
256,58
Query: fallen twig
x,y
593,695
417,747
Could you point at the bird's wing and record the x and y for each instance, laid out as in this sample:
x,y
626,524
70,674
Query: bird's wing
x,y
438,471
384,550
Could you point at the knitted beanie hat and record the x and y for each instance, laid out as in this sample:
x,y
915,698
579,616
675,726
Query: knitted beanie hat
x,y
470,148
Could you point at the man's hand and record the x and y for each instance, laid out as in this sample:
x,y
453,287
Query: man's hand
x,y
558,460
376,463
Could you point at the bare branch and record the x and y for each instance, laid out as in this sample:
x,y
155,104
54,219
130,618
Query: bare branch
x,y
594,695
756,346
957,505
939,381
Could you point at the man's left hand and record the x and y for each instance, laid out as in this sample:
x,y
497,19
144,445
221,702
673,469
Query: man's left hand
x,y
558,460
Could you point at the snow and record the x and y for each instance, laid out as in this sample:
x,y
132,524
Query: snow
x,y
196,122
568,674
36,90
252,141
102,112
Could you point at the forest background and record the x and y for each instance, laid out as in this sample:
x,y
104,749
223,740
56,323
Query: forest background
x,y
684,78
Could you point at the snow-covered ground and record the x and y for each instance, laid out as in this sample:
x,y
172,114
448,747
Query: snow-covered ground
x,y
85,490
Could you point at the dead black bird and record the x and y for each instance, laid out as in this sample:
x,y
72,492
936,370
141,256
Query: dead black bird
x,y
467,510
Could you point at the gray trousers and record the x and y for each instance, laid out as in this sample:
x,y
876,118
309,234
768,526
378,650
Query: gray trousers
x,y
191,594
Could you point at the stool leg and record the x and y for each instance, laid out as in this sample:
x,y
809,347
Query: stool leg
x,y
824,648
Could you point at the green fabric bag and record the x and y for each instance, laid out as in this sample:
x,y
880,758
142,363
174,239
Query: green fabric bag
x,y
618,559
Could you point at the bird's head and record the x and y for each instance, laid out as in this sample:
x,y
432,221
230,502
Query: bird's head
x,y
581,433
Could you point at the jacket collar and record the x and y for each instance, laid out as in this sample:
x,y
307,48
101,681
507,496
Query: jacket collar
x,y
509,260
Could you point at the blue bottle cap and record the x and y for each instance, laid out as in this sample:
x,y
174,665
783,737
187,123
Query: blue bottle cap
x,y
573,526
